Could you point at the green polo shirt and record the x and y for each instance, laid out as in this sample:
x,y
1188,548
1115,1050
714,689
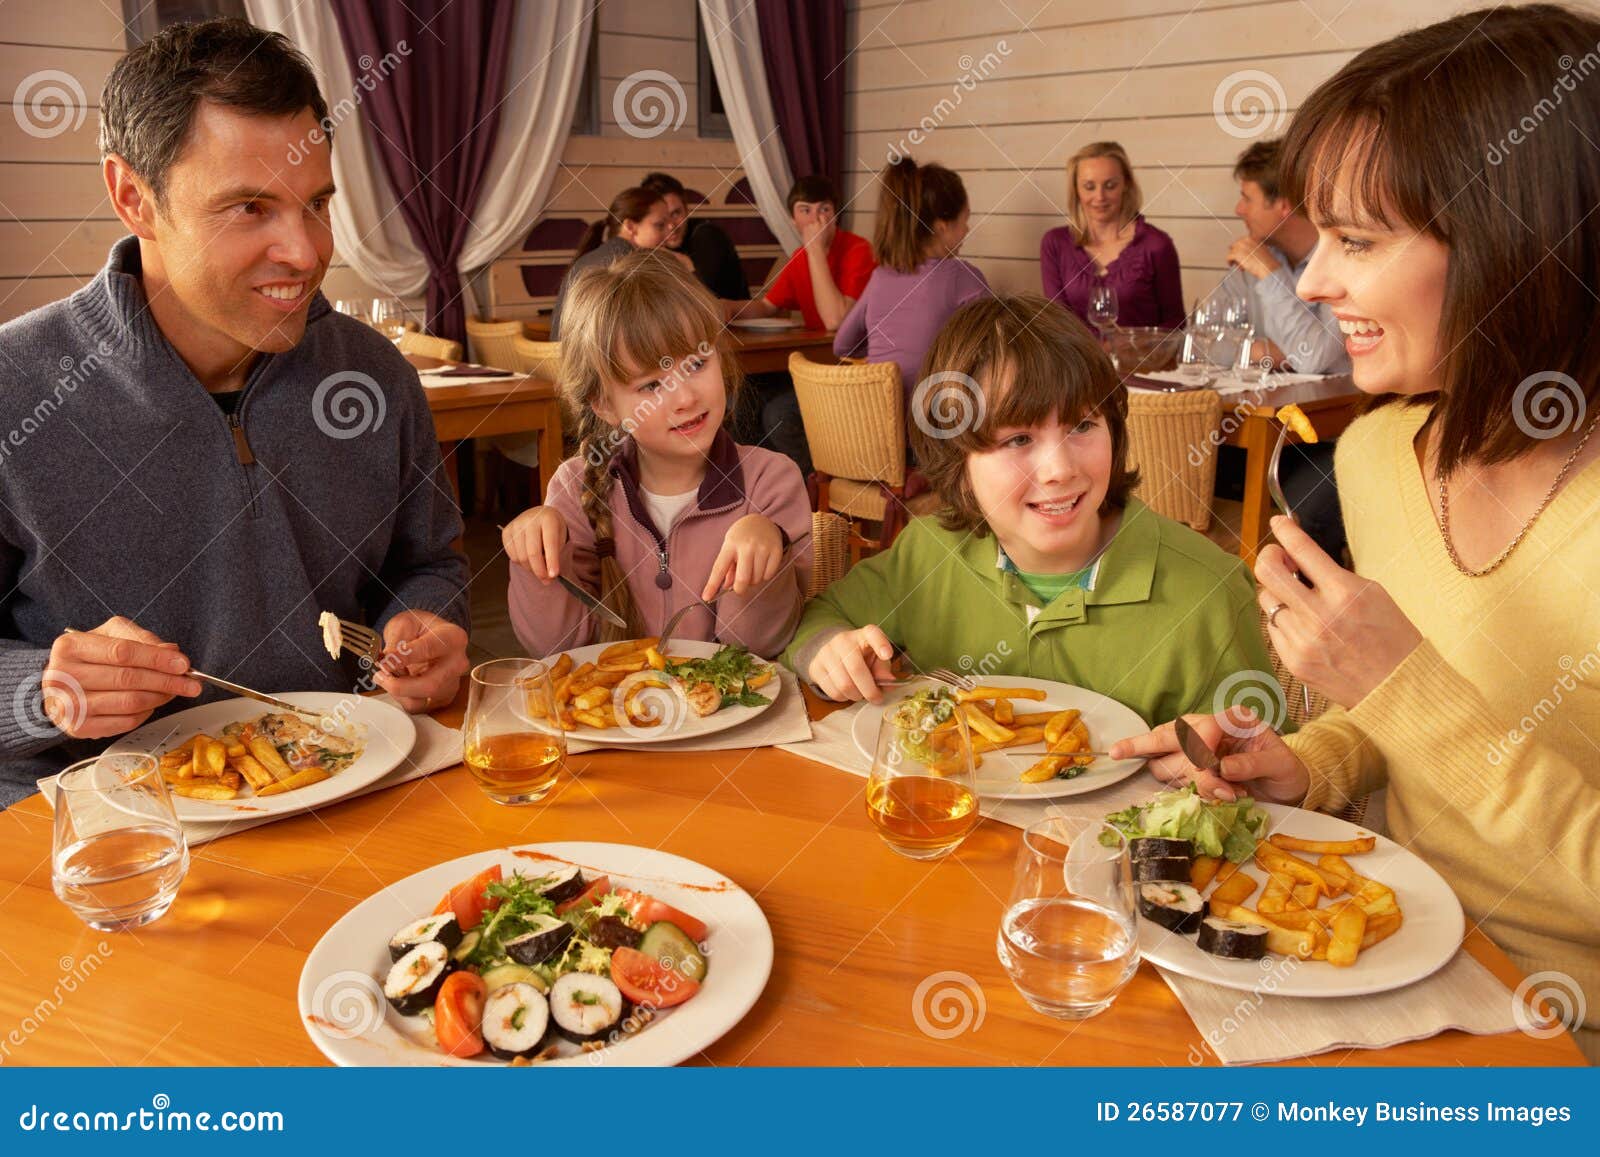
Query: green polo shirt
x,y
1171,615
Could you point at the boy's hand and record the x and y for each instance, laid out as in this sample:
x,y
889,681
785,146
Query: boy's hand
x,y
534,539
852,664
751,554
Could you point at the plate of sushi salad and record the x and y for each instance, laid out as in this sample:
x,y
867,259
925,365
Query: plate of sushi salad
x,y
550,954
1278,900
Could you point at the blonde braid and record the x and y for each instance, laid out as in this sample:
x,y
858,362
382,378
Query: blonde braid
x,y
595,501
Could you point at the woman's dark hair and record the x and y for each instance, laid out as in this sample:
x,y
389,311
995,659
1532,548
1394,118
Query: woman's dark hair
x,y
1481,132
1005,362
813,189
913,197
150,97
662,183
629,205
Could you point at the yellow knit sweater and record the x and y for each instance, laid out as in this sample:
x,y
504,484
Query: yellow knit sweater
x,y
1488,735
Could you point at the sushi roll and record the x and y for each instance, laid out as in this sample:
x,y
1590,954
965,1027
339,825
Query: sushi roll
x,y
563,884
443,929
1160,868
514,1020
1233,939
548,936
1159,847
414,980
585,1007
1176,907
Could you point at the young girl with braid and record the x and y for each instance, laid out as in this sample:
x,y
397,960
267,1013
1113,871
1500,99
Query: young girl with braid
x,y
660,509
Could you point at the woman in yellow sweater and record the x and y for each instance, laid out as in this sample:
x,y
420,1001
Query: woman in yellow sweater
x,y
1464,653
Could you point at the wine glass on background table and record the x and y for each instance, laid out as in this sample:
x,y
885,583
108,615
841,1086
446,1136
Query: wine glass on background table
x,y
389,317
1103,307
1069,938
1239,325
118,853
922,792
510,741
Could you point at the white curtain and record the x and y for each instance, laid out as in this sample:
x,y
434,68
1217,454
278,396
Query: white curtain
x,y
551,42
734,39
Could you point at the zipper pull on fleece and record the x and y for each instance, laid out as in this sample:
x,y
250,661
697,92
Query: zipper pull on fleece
x,y
663,579
241,448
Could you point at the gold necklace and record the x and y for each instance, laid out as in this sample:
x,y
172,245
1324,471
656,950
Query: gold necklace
x,y
1444,513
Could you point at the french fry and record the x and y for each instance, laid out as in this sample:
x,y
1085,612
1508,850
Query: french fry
x,y
1236,889
1374,898
1295,418
1225,873
1299,942
235,750
562,667
1305,895
216,756
625,664
1275,859
1276,897
181,749
268,756
1203,870
999,693
254,774
1046,769
192,789
1380,928
760,679
1324,847
591,699
1060,723
302,778
1003,713
656,660
625,648
1333,866
1349,927
579,679
232,779
985,726
1033,718
175,775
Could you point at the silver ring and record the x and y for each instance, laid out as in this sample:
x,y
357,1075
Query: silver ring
x,y
1272,615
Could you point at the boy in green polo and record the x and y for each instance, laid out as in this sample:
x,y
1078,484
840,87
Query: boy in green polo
x,y
1042,564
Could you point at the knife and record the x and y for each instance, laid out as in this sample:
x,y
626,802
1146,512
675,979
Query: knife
x,y
591,602
1195,749
258,696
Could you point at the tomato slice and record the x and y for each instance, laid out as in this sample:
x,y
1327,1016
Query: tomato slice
x,y
646,910
643,980
467,900
458,1014
599,886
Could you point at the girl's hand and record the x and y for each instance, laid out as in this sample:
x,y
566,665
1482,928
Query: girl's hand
x,y
1343,634
534,539
751,554
1254,756
852,664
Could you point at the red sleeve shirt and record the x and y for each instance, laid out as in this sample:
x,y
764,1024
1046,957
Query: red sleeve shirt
x,y
849,260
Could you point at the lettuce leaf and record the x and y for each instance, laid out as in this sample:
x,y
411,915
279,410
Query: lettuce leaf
x,y
1215,828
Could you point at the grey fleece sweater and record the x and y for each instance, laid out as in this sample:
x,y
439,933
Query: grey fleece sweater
x,y
124,490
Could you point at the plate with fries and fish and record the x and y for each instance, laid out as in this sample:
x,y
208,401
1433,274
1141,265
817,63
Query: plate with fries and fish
x,y
236,758
1025,734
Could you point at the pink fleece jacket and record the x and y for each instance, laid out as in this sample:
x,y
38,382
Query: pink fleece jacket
x,y
668,568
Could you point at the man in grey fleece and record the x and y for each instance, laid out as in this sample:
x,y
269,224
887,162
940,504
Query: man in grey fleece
x,y
197,455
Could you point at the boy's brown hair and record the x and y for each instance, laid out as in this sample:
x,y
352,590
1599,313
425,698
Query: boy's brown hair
x,y
1003,362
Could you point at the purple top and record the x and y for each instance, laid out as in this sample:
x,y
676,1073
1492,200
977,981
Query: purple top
x,y
898,314
1145,276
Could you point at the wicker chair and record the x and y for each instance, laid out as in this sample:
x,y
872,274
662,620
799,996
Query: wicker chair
x,y
490,342
830,551
855,423
539,359
429,346
1172,440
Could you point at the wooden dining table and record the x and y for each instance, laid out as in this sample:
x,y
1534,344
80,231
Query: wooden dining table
x,y
760,351
518,404
856,928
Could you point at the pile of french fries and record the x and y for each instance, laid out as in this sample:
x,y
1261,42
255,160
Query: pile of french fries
x,y
995,724
207,767
1290,904
585,693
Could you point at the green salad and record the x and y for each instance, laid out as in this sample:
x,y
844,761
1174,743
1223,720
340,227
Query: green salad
x,y
729,671
1215,828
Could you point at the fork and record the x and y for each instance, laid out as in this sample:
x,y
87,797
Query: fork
x,y
362,640
1274,487
938,675
677,617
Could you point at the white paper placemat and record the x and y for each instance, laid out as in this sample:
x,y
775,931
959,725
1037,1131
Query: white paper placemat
x,y
1231,385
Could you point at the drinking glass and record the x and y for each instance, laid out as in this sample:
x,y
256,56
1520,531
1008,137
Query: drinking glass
x,y
922,793
1240,327
350,308
1069,938
388,317
513,749
1103,306
118,854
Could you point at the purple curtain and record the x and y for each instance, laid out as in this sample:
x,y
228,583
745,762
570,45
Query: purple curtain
x,y
802,46
433,120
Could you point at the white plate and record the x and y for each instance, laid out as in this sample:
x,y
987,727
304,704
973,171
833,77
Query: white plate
x,y
341,998
767,323
387,732
1107,720
678,722
1430,931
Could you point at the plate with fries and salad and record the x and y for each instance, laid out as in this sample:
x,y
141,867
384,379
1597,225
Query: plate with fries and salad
x,y
631,693
236,757
1024,734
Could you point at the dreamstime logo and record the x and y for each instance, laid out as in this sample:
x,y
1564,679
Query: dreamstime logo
x,y
48,103
347,1004
1548,404
1572,73
1249,103
674,372
947,1004
972,73
351,411
75,972
371,73
948,404
1257,692
649,103
647,708
43,709
1547,1004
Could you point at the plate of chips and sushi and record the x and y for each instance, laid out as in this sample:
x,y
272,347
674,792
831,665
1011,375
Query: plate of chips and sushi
x,y
1266,898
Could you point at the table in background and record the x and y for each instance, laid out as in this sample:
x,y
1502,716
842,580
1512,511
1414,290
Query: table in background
x,y
514,405
760,351
856,928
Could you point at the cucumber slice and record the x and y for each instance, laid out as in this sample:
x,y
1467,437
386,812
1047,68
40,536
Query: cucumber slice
x,y
503,974
468,942
670,945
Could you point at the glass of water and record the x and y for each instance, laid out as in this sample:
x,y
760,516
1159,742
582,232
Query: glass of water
x,y
1069,938
118,854
1103,306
